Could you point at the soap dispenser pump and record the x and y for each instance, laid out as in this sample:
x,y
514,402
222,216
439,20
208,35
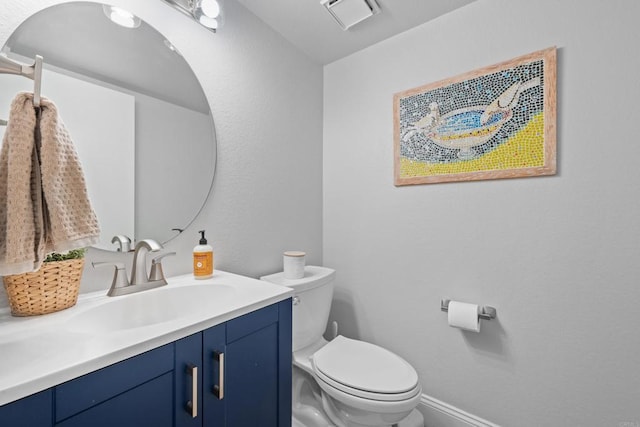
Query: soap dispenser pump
x,y
202,259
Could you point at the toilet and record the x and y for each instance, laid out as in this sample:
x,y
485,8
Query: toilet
x,y
343,382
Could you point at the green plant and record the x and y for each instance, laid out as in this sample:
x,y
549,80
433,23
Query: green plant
x,y
72,254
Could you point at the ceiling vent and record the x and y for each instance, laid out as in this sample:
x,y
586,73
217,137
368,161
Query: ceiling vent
x,y
349,12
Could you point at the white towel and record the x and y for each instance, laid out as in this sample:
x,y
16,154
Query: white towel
x,y
44,206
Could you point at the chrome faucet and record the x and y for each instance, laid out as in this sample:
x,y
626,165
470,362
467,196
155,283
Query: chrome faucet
x,y
139,279
124,243
139,270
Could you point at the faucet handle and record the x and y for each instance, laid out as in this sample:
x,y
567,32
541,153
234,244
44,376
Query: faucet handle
x,y
157,259
156,268
119,277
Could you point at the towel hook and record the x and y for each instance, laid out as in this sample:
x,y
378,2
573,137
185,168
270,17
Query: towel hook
x,y
33,72
37,80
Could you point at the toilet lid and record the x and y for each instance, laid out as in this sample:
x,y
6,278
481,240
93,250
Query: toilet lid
x,y
364,366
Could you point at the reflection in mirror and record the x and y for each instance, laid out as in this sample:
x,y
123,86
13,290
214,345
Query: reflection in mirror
x,y
135,110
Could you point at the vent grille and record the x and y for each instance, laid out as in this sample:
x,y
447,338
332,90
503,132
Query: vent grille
x,y
348,13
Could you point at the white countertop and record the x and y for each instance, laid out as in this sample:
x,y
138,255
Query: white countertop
x,y
43,351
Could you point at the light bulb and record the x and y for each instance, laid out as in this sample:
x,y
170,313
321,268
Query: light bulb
x,y
210,8
121,17
208,22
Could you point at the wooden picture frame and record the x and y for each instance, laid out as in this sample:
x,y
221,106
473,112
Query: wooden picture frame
x,y
492,123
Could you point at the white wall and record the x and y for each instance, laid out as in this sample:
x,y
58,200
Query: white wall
x,y
558,256
266,100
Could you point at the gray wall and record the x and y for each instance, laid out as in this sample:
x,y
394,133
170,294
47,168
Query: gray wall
x,y
558,256
266,99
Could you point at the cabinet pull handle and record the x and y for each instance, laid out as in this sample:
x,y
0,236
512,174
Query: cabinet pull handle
x,y
218,390
192,405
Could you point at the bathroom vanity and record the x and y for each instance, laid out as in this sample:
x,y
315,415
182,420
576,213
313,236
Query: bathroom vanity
x,y
214,352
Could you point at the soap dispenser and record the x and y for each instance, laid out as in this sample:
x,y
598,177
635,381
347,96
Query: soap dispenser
x,y
202,259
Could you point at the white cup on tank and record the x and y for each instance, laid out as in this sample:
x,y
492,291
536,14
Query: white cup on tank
x,y
293,263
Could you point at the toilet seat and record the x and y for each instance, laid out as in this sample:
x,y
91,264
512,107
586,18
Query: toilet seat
x,y
365,370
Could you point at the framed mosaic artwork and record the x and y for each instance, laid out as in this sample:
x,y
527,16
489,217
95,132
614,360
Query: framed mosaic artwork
x,y
495,122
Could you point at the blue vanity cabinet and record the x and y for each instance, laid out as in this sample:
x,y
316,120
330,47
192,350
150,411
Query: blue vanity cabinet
x,y
32,411
236,374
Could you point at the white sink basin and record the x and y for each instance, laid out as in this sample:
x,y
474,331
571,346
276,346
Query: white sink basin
x,y
151,307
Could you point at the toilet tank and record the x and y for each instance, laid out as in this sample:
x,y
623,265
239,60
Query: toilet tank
x,y
311,303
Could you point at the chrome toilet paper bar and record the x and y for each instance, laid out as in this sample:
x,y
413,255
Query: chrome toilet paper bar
x,y
486,312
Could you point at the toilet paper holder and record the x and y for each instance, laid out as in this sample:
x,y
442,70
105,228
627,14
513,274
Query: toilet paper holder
x,y
486,312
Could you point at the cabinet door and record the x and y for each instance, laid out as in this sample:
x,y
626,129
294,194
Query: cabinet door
x,y
32,411
252,370
240,360
188,381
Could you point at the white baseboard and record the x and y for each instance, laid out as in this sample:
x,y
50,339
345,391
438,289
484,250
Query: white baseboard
x,y
440,414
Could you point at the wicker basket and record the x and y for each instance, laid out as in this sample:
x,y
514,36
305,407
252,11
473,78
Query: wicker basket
x,y
52,288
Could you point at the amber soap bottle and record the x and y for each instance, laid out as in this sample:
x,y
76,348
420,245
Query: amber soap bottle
x,y
202,259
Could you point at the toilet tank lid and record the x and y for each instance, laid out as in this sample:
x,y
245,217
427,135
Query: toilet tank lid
x,y
314,276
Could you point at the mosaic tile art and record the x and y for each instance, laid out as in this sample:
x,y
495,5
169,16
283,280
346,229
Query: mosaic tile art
x,y
496,122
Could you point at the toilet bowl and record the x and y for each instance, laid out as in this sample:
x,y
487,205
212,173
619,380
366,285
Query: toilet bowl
x,y
343,382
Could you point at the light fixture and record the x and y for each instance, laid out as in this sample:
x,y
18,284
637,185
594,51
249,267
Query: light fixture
x,y
207,13
348,13
121,17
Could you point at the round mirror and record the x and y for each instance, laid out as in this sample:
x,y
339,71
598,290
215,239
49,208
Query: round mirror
x,y
136,112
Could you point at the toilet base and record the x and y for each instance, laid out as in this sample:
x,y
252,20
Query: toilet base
x,y
307,407
353,417
415,419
